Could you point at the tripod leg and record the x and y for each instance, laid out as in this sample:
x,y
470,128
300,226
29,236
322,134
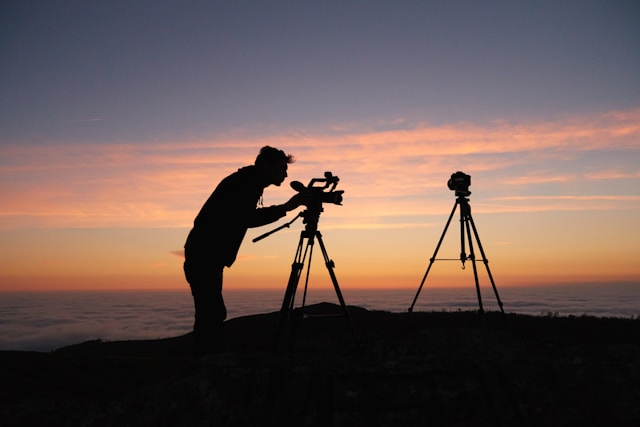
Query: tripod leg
x,y
472,257
294,277
330,265
464,209
289,296
296,317
486,263
433,258
310,242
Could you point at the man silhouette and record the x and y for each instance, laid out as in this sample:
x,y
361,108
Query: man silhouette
x,y
218,231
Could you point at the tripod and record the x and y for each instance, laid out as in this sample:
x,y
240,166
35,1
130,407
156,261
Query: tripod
x,y
466,224
308,236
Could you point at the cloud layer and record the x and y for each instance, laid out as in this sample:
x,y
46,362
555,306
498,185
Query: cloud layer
x,y
47,321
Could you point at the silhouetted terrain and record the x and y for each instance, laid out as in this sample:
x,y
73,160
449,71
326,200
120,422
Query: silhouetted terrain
x,y
444,368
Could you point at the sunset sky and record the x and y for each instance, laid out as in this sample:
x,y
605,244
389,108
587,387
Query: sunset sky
x,y
118,119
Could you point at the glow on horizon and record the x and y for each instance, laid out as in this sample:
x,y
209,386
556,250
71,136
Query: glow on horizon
x,y
554,201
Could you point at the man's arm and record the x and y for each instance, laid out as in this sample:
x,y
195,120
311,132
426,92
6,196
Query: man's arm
x,y
263,216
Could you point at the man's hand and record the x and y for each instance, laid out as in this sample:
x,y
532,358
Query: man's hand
x,y
299,199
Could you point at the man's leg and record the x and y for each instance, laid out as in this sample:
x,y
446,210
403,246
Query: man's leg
x,y
210,311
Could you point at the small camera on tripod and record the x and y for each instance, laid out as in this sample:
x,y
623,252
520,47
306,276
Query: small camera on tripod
x,y
460,182
323,190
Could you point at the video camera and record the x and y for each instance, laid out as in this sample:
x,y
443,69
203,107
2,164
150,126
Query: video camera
x,y
324,192
460,182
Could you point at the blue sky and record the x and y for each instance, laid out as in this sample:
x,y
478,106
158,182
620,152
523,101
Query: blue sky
x,y
143,70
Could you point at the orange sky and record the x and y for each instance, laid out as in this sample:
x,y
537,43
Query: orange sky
x,y
554,201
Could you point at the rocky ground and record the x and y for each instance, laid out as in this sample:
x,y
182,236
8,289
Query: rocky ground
x,y
443,369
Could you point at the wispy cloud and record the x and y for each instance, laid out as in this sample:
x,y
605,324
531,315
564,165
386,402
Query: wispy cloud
x,y
587,198
389,171
613,174
84,120
537,177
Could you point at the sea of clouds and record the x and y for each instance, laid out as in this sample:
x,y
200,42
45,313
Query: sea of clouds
x,y
45,321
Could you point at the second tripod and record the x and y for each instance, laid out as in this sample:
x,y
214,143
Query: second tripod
x,y
466,225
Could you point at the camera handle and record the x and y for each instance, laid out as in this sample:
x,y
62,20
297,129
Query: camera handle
x,y
311,217
285,225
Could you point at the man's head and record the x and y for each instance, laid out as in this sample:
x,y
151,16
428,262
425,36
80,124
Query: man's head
x,y
273,165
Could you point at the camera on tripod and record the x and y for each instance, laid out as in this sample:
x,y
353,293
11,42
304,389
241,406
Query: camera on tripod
x,y
323,190
460,182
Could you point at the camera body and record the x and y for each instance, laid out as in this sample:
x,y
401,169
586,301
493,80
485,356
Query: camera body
x,y
322,189
460,182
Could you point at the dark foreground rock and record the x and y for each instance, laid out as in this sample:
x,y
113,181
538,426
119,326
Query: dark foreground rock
x,y
449,369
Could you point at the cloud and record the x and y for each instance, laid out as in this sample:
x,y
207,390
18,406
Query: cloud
x,y
537,177
569,197
389,168
612,174
253,257
84,120
178,253
562,203
46,321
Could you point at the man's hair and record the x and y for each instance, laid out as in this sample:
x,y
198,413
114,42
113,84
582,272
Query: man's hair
x,y
270,155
